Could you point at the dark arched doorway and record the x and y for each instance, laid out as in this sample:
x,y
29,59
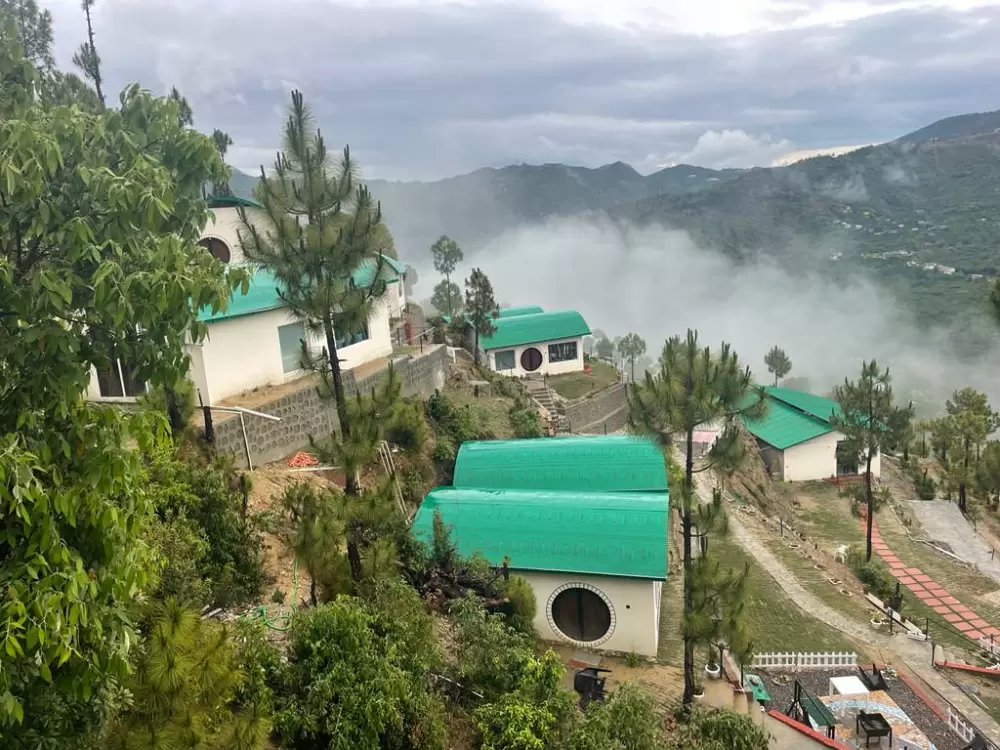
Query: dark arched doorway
x,y
581,615
531,359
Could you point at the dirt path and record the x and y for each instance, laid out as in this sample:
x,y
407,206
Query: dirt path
x,y
914,654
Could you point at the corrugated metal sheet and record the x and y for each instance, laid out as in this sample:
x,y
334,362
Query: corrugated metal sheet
x,y
513,312
537,328
785,426
262,295
600,463
816,406
616,534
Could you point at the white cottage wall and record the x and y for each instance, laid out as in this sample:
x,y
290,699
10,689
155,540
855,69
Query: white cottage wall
x,y
817,459
547,367
634,605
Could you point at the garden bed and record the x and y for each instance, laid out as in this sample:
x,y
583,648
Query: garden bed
x,y
781,686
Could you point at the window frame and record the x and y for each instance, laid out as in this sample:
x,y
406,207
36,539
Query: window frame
x,y
558,347
513,360
301,325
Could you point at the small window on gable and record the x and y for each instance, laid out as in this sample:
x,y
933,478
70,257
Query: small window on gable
x,y
505,360
218,248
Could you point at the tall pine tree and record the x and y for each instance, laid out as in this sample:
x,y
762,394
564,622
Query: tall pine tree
x,y
695,388
481,308
319,237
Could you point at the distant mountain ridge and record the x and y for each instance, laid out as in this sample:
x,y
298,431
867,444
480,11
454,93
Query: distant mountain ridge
x,y
959,126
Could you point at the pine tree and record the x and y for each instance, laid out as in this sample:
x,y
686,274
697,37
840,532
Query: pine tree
x,y
694,388
447,298
778,363
447,255
867,420
222,142
86,57
632,346
318,238
480,306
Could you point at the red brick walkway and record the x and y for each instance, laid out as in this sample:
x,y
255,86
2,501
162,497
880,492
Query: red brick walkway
x,y
933,594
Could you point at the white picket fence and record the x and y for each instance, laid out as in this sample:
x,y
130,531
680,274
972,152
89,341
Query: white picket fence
x,y
957,724
805,660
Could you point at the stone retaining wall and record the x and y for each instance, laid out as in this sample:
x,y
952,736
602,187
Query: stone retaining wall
x,y
604,412
303,413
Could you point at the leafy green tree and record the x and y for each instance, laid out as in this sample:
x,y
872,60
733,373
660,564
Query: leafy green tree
x,y
317,234
694,388
627,721
631,347
604,347
185,116
961,435
867,419
778,363
183,689
349,686
447,255
86,57
447,298
988,473
98,259
480,306
718,729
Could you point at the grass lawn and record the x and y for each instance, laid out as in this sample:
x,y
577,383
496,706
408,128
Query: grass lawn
x,y
574,385
491,415
776,623
824,516
817,583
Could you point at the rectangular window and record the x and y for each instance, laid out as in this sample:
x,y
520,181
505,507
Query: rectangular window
x,y
504,360
345,340
118,380
290,338
563,352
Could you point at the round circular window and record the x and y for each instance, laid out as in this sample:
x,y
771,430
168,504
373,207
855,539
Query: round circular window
x,y
218,248
531,359
581,613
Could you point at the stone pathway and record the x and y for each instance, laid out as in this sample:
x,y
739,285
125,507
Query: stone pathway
x,y
931,593
914,654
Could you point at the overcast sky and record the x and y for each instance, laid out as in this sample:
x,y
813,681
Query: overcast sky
x,y
423,89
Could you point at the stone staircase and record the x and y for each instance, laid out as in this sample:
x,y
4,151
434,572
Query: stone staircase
x,y
551,407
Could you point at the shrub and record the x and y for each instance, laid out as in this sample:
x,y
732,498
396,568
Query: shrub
x,y
718,729
924,485
523,605
525,421
408,429
628,721
350,687
873,573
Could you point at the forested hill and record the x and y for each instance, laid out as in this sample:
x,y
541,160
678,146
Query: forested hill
x,y
959,126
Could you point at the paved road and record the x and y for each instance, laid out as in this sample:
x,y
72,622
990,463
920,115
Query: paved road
x,y
942,521
915,654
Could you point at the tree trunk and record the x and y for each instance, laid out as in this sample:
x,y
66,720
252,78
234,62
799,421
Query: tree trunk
x,y
350,479
312,591
687,502
870,502
447,285
633,369
354,557
775,380
965,472
475,354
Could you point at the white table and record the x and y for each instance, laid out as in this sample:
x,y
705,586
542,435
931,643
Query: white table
x,y
849,686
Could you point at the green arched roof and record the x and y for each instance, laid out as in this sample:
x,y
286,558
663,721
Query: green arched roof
x,y
600,463
615,534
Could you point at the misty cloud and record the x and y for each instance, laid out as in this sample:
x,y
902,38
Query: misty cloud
x,y
657,283
736,149
437,88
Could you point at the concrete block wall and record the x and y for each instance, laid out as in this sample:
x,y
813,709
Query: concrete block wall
x,y
607,410
304,413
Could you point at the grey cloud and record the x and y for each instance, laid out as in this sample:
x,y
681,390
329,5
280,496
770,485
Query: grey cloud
x,y
433,91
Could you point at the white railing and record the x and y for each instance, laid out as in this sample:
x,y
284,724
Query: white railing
x,y
989,645
805,660
958,725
